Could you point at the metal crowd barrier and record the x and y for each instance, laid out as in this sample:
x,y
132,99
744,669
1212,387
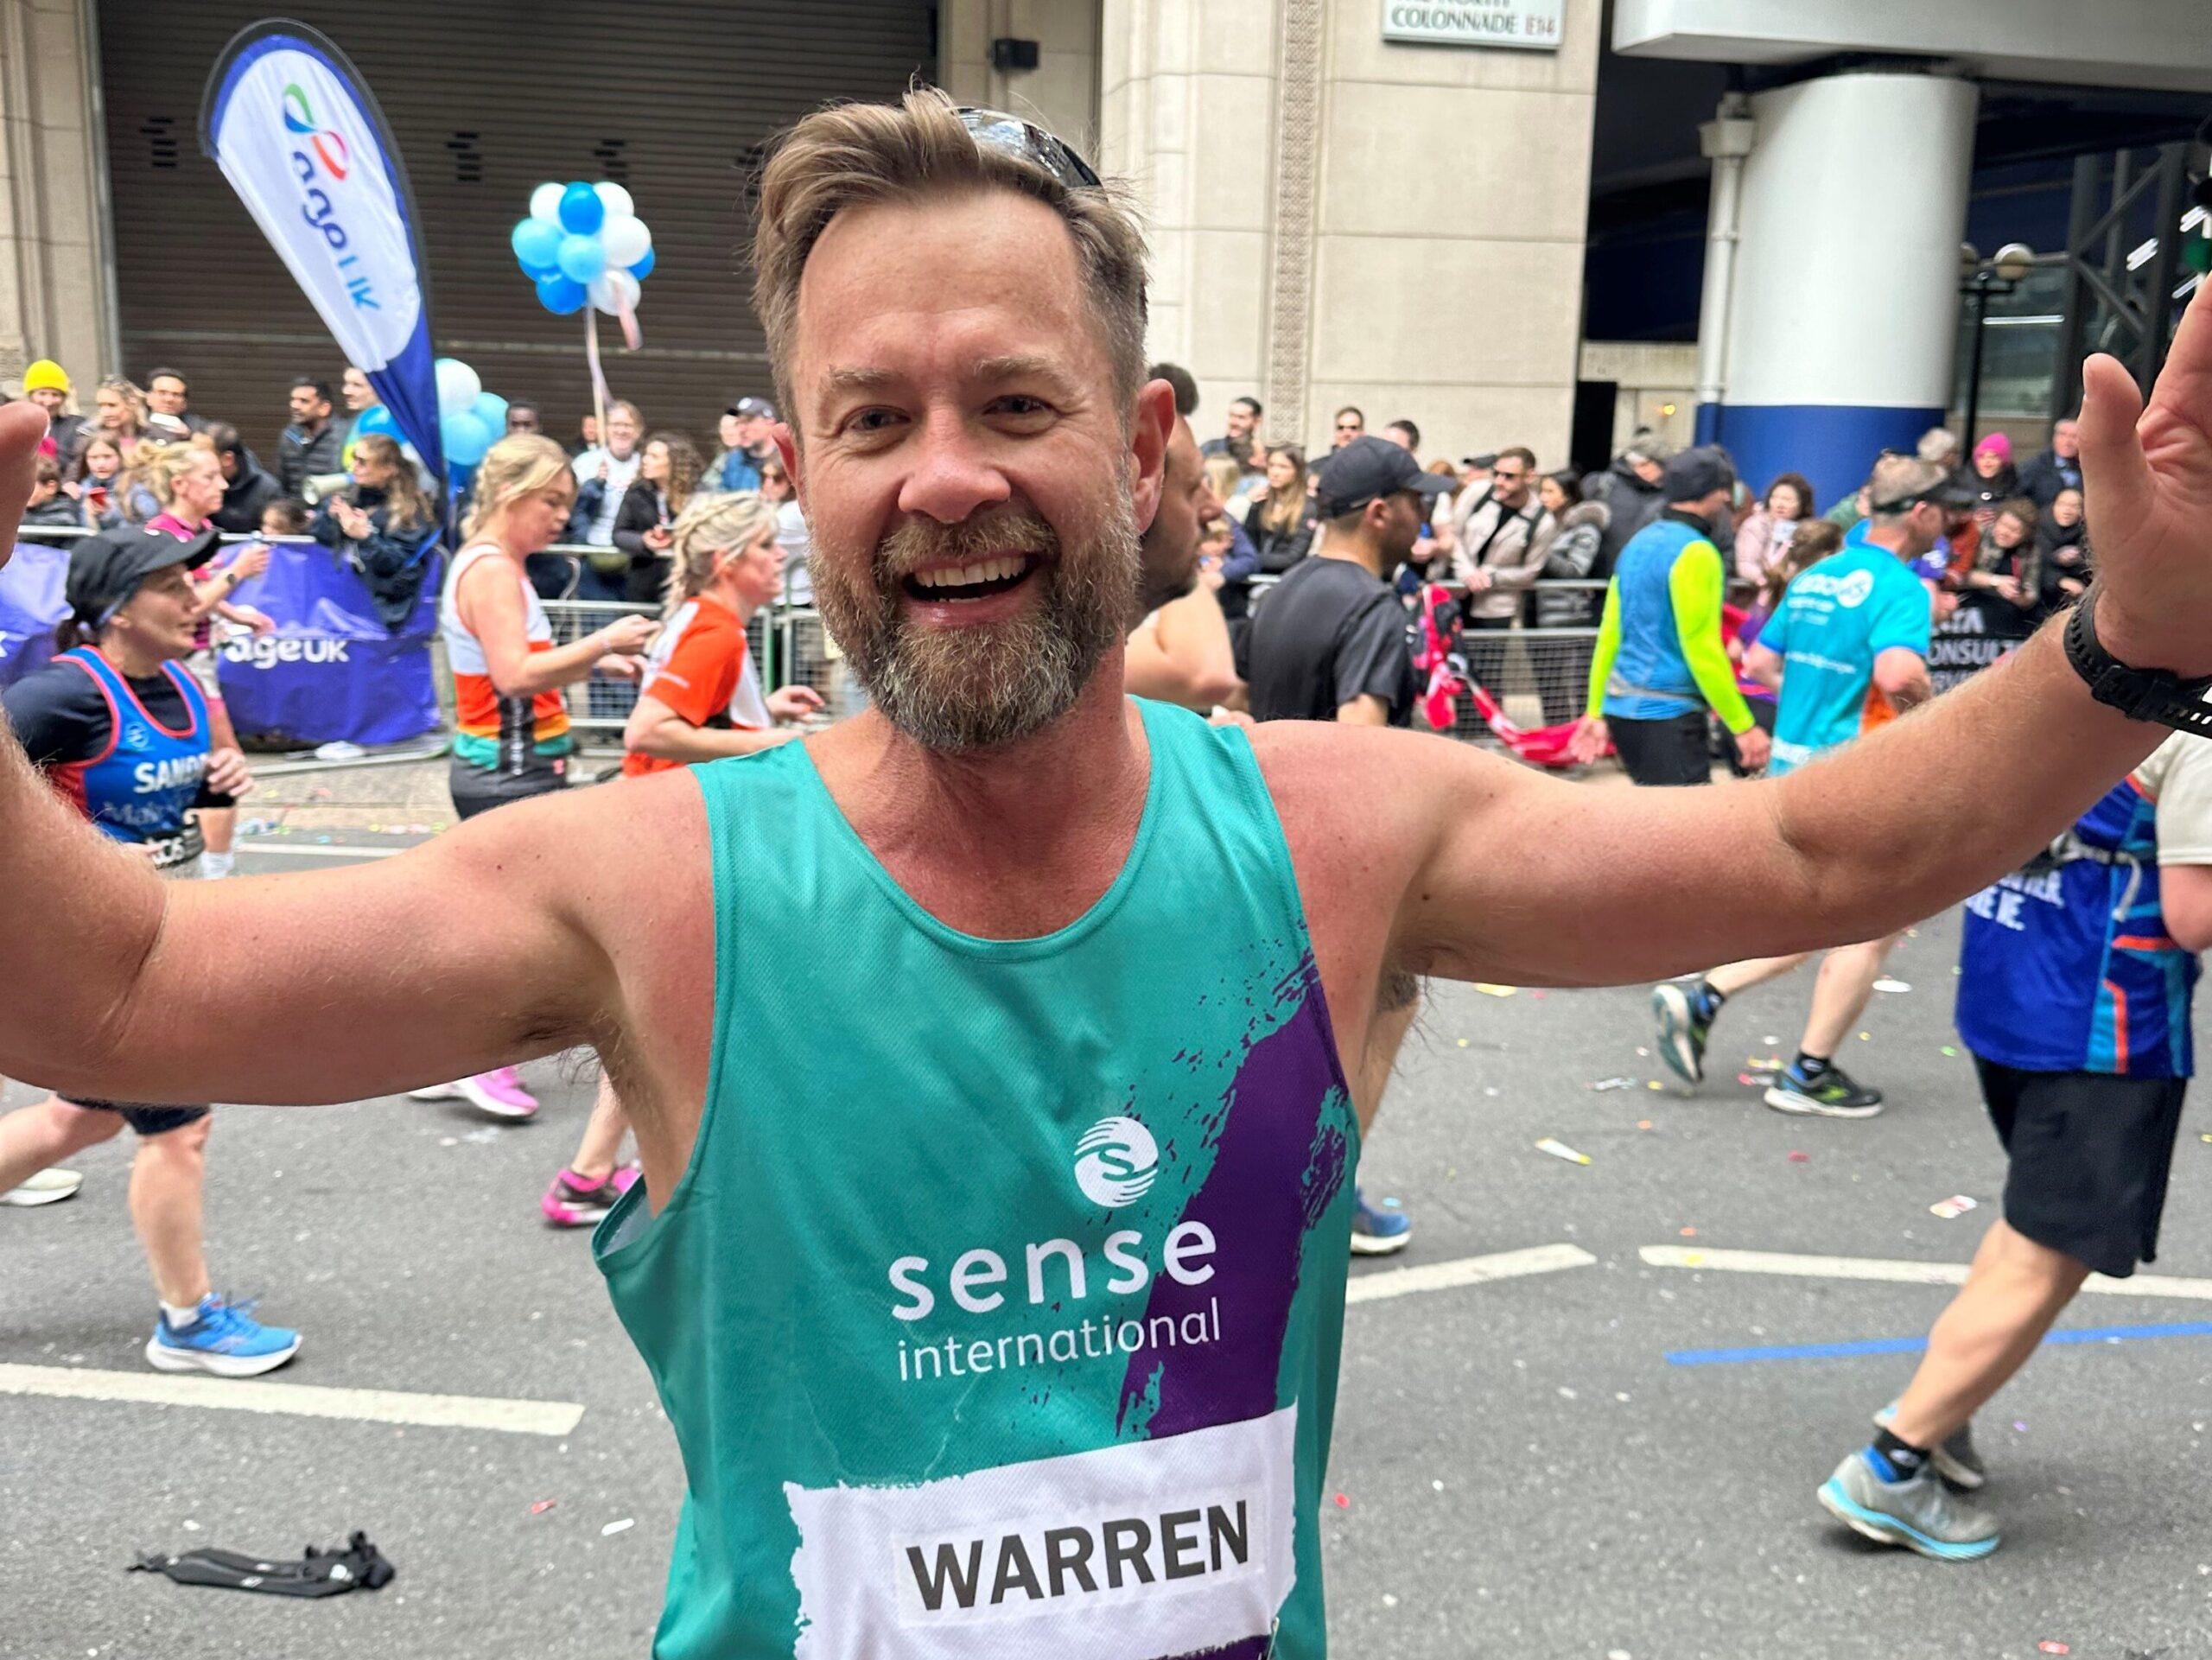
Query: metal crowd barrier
x,y
1540,676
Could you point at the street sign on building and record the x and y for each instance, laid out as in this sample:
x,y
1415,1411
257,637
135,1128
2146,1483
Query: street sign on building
x,y
1532,24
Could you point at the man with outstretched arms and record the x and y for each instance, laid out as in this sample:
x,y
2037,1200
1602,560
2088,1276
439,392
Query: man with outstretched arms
x,y
994,1288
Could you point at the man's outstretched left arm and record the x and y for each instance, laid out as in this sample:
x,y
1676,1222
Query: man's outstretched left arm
x,y
1608,885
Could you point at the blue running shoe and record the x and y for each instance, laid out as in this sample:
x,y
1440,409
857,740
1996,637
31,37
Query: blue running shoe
x,y
1684,1009
1379,1229
1919,1513
224,1340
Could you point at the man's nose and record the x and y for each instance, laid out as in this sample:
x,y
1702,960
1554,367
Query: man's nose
x,y
951,475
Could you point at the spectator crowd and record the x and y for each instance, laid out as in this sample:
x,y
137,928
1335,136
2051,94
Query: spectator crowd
x,y
1518,546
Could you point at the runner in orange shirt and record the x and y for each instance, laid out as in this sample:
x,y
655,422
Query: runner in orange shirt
x,y
701,699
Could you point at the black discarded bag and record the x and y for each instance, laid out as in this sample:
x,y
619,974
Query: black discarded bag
x,y
318,1573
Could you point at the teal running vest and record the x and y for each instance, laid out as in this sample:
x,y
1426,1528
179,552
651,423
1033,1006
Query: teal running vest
x,y
998,1312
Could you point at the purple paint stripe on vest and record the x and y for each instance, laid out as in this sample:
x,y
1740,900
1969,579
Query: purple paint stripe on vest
x,y
1249,1648
1276,1169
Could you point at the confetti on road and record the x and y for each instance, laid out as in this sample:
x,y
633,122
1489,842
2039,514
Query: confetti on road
x,y
1605,1083
1343,1503
1490,990
1953,1207
542,1505
1561,1151
2049,1645
1654,1085
1687,1233
1643,1123
614,1528
1462,1043
1891,985
1951,1049
1800,1158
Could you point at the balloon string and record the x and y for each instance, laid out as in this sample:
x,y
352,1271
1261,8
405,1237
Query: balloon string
x,y
599,397
633,337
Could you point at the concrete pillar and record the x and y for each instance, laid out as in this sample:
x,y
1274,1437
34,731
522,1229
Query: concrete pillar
x,y
1841,322
1337,219
57,291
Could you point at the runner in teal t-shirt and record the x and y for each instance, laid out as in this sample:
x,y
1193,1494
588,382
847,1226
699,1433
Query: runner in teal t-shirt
x,y
1856,622
1829,633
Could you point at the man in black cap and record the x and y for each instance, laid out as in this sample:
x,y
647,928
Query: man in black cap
x,y
1660,663
122,734
747,435
1329,643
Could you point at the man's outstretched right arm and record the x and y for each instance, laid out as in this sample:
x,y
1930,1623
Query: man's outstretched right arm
x,y
467,954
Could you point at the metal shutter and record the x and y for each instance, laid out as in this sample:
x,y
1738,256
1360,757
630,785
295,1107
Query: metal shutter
x,y
487,98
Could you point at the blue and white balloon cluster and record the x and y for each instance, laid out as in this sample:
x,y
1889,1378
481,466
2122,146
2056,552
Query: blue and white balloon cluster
x,y
584,242
470,419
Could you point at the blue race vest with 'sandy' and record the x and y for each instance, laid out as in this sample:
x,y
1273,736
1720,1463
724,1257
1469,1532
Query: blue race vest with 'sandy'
x,y
141,786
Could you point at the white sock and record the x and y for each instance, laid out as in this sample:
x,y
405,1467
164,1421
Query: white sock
x,y
213,867
180,1318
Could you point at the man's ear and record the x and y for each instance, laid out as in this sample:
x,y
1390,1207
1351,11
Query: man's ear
x,y
1152,423
780,435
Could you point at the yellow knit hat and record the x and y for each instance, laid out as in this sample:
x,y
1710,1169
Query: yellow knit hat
x,y
46,376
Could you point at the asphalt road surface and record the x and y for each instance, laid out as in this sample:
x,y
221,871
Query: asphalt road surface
x,y
1612,1452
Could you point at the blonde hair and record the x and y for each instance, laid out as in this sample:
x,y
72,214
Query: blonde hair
x,y
854,155
406,507
710,527
1223,474
155,467
131,396
520,464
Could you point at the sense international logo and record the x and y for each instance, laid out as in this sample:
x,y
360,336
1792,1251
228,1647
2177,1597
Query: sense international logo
x,y
1115,1162
328,144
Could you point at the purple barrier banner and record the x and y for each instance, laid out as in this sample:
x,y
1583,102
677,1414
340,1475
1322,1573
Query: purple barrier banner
x,y
330,670
30,606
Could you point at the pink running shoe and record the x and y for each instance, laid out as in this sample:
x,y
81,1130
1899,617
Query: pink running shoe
x,y
499,1093
572,1203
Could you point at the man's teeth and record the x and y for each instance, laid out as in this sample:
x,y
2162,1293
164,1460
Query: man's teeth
x,y
996,570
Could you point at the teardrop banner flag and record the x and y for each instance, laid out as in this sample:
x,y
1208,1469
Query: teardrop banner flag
x,y
298,134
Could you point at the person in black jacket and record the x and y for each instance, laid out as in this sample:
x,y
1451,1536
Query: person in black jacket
x,y
381,525
1630,491
668,473
50,503
313,445
1282,521
246,489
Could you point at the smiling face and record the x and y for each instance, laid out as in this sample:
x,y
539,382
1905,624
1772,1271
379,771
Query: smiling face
x,y
623,432
157,620
357,393
972,495
2008,531
2066,508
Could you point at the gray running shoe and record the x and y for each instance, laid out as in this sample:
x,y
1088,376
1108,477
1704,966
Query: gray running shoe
x,y
1955,1461
1920,1514
1684,1010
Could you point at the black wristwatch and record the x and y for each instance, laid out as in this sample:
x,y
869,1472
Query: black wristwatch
x,y
2139,694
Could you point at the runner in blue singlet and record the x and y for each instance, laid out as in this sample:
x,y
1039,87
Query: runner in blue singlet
x,y
122,733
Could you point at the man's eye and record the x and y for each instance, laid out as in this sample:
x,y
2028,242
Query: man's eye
x,y
873,421
1019,404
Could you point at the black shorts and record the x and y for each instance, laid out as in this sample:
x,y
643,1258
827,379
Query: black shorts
x,y
1669,751
146,1120
479,789
2089,1156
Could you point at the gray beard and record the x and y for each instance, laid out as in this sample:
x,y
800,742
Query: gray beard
x,y
959,691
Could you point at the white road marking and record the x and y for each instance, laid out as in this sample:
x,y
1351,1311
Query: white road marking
x,y
333,851
1466,1270
295,1400
1896,1272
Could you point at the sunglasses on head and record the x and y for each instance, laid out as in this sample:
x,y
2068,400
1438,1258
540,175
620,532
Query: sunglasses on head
x,y
1011,136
